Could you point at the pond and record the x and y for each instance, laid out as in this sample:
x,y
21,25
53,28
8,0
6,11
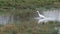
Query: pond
x,y
54,14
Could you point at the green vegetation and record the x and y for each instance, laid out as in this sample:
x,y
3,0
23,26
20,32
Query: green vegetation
x,y
26,9
19,7
31,4
27,27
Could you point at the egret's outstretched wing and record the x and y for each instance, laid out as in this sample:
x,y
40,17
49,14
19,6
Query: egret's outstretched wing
x,y
45,20
41,15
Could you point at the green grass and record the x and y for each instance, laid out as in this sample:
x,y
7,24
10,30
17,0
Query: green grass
x,y
28,27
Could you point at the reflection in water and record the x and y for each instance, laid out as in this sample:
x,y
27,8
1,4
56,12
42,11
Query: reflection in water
x,y
4,19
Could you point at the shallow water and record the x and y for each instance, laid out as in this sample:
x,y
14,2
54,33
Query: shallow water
x,y
54,14
5,19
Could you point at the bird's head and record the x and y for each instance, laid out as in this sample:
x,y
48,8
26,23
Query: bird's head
x,y
37,11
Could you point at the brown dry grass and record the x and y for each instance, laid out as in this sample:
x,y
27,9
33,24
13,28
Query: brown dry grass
x,y
7,27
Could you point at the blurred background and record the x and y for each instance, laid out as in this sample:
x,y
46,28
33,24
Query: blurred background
x,y
17,16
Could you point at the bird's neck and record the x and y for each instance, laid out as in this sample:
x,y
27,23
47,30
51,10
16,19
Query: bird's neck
x,y
38,13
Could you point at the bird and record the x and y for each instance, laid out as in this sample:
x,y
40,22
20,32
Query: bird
x,y
40,14
45,19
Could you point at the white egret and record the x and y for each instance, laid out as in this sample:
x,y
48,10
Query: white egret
x,y
45,19
41,15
